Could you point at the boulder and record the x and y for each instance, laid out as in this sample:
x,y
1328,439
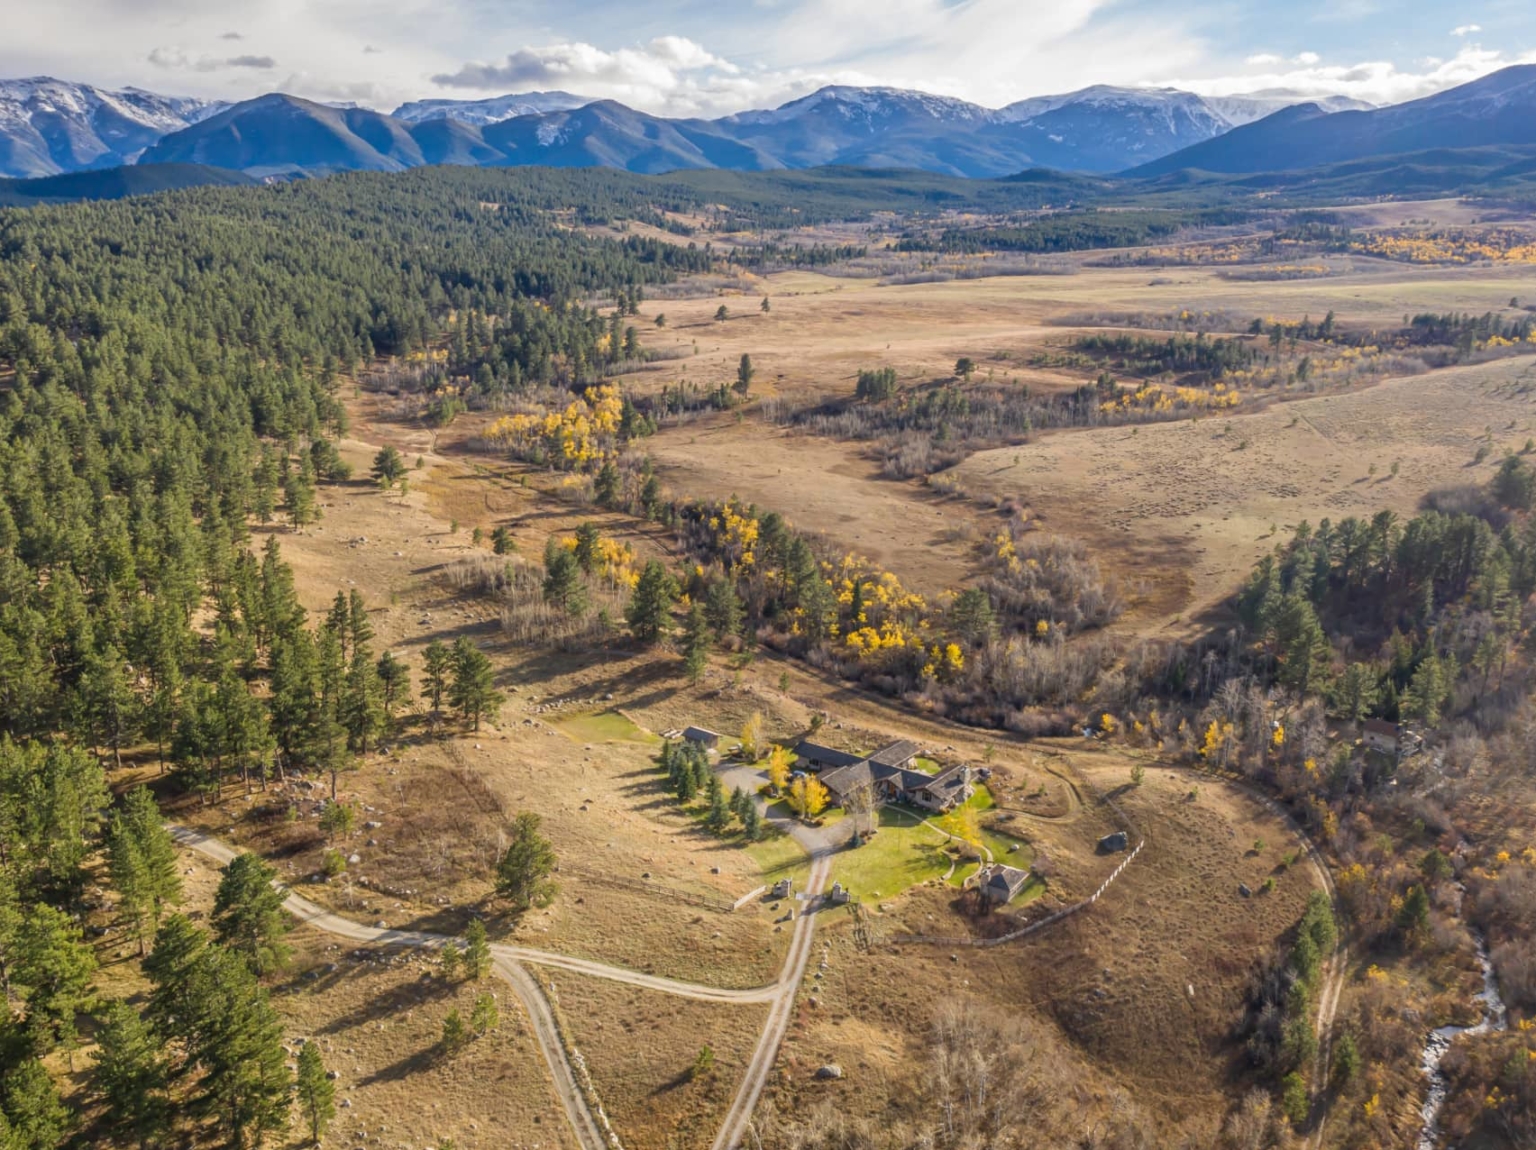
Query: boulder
x,y
829,1072
1115,843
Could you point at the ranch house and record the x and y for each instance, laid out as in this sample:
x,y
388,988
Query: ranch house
x,y
888,775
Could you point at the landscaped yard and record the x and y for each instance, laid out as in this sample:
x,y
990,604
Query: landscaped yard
x,y
780,856
605,727
903,854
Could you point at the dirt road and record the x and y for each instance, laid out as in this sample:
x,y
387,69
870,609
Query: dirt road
x,y
508,962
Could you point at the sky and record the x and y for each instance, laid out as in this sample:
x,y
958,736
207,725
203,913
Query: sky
x,y
713,57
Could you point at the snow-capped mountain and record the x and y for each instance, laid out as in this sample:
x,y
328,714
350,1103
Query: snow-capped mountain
x,y
1497,110
48,126
1245,109
492,111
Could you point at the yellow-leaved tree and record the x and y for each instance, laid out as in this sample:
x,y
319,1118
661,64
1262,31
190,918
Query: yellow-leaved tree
x,y
752,738
807,797
779,762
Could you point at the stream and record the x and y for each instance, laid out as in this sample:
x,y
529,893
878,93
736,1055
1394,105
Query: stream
x,y
1495,1017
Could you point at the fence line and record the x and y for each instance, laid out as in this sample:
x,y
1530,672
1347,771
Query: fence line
x,y
1051,919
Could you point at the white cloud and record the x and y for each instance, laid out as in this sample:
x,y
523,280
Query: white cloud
x,y
670,72
176,60
1307,59
1466,29
1375,81
1264,60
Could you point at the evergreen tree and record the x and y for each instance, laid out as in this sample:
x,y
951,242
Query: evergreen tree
x,y
477,950
752,823
248,913
563,586
485,1017
394,682
606,487
719,816
745,373
451,959
141,858
722,608
388,467
522,876
32,1115
455,1033
501,541
132,1076
696,641
972,617
650,607
53,967
238,1044
472,690
316,1092
299,497
587,551
362,707
436,663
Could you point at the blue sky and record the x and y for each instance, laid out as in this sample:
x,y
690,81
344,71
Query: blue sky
x,y
709,57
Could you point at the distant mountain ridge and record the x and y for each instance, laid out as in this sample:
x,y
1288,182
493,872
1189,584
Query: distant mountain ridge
x,y
49,127
1098,130
492,111
1498,110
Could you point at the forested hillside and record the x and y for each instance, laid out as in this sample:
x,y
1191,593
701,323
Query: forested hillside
x,y
166,375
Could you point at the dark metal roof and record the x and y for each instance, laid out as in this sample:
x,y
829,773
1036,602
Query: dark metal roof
x,y
826,756
898,754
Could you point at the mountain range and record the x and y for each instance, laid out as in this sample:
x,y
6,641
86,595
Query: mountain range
x,y
47,127
1498,110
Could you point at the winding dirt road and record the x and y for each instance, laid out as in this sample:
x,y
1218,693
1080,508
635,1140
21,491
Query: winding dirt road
x,y
508,964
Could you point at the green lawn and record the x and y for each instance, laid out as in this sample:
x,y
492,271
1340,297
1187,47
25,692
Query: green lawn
x,y
605,727
903,854
779,856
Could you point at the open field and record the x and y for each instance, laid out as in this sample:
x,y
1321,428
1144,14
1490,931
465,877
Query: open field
x,y
1141,992
1191,505
641,1047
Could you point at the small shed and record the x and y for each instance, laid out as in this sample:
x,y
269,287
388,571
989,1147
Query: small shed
x,y
1001,884
707,739
1382,736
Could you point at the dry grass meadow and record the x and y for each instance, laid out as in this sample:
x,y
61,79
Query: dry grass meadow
x,y
1139,996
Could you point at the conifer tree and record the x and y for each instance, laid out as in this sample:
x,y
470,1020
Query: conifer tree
x,y
316,1092
477,950
436,663
132,1075
722,608
696,641
485,1017
472,690
522,876
650,608
248,913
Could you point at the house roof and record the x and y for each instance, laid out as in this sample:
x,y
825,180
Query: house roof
x,y
1005,878
833,758
843,780
899,753
953,779
700,735
1380,727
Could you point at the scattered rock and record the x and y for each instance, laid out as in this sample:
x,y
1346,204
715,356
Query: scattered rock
x,y
830,1071
1244,890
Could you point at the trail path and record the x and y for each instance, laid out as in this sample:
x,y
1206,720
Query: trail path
x,y
508,964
